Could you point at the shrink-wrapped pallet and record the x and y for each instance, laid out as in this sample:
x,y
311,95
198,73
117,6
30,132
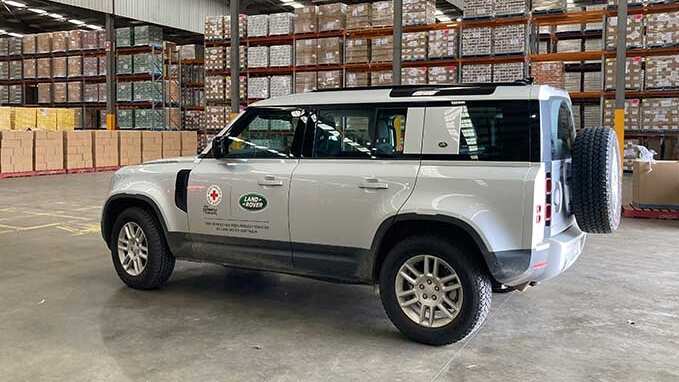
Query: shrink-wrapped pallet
x,y
258,57
16,151
442,75
381,78
592,82
330,79
305,82
662,72
148,35
509,39
382,49
281,23
124,37
91,93
478,9
215,117
75,40
477,73
419,12
548,73
258,25
357,51
306,52
30,68
632,114
214,27
356,79
90,40
43,43
148,91
124,64
306,19
75,66
4,47
75,90
258,87
329,50
660,113
124,91
214,88
14,46
635,32
633,73
332,17
477,41
358,16
215,58
280,55
280,86
662,29
382,14
509,72
414,46
16,94
45,92
90,66
60,92
28,43
242,26
102,65
510,7
542,6
16,70
442,43
59,67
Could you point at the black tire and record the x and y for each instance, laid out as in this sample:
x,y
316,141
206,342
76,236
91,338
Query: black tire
x,y
476,289
160,262
597,180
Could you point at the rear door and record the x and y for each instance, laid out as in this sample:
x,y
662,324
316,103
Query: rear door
x,y
354,175
562,131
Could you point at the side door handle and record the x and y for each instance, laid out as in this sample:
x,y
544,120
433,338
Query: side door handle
x,y
270,181
373,184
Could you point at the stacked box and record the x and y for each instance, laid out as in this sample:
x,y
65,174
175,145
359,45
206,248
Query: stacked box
x,y
356,79
102,65
75,66
16,151
382,49
381,78
25,118
577,113
192,52
189,143
172,144
332,17
511,7
214,27
419,12
280,56
632,114
258,26
569,46
151,145
30,68
572,81
14,46
48,150
548,73
242,85
633,73
77,118
59,67
124,64
258,87
569,28
414,76
90,40
90,66
635,32
549,5
242,57
356,51
414,46
306,19
174,118
594,45
28,44
16,70
242,26
4,94
481,73
75,41
43,43
591,116
149,119
147,63
4,47
91,93
509,72
172,91
125,119
479,8
509,39
280,86
16,94
215,58
46,119
305,82
662,72
59,92
194,119
258,56
124,92
442,43
75,92
67,119
281,24
662,29
358,16
214,88
6,118
78,150
477,41
215,117
306,52
660,113
330,79
330,50
129,148
4,70
124,37
105,148
442,75
103,89
382,14
148,35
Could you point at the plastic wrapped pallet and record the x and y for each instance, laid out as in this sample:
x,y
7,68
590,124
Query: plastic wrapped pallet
x,y
660,113
14,46
43,43
357,50
59,67
16,69
569,46
305,82
442,75
477,73
102,65
124,64
150,91
356,79
153,119
258,26
16,151
382,49
102,91
306,52
75,90
509,39
258,87
479,8
125,119
192,52
124,91
214,27
306,19
151,143
59,91
214,88
330,50
242,57
242,26
381,78
16,94
90,66
414,46
477,41
573,81
258,56
194,119
442,43
147,63
382,14
635,32
332,17
591,116
148,35
280,55
124,37
419,12
172,91
358,16
215,58
509,72
243,83
90,40
330,79
280,86
281,23
511,7
30,68
75,66
215,117
28,42
662,72
75,41
662,29
414,76
4,94
548,73
549,5
594,45
4,70
633,73
4,47
48,150
44,92
91,93
632,114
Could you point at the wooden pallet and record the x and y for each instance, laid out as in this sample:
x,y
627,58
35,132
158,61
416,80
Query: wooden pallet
x,y
631,211
31,173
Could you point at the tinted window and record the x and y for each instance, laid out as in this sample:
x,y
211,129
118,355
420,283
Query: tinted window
x,y
563,131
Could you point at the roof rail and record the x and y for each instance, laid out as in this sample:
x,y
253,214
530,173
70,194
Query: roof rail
x,y
408,90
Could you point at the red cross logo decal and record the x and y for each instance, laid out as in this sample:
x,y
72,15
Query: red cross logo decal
x,y
214,195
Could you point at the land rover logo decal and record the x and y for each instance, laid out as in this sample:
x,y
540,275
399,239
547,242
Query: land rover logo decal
x,y
253,202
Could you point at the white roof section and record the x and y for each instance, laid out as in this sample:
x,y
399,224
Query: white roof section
x,y
368,96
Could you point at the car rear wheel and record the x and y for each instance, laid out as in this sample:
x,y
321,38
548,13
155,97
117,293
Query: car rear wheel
x,y
434,291
138,250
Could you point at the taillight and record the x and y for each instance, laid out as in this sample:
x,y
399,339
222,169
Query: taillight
x,y
548,200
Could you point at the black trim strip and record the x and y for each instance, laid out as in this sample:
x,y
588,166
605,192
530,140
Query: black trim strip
x,y
180,190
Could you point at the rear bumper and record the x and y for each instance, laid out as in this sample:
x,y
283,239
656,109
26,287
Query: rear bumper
x,y
549,259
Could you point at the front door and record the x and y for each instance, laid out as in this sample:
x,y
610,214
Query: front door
x,y
238,204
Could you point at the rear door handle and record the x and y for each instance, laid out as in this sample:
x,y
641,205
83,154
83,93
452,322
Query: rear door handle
x,y
373,184
270,181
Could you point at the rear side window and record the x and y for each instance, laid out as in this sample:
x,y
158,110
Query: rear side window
x,y
563,130
507,131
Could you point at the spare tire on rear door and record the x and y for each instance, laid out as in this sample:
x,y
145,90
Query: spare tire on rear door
x,y
597,180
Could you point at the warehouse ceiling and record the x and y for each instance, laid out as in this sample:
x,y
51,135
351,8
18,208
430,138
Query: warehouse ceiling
x,y
451,8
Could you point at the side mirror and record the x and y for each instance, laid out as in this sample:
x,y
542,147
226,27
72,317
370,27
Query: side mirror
x,y
220,146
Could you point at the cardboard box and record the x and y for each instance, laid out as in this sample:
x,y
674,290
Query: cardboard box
x,y
78,150
189,142
656,184
6,118
105,148
66,119
48,150
16,151
46,119
25,118
172,144
151,145
129,147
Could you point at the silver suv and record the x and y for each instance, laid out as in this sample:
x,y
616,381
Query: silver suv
x,y
439,195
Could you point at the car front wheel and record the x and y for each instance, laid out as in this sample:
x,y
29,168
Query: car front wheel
x,y
434,291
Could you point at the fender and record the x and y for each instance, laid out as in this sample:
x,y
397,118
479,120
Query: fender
x,y
107,223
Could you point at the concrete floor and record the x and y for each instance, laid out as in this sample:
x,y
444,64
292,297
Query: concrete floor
x,y
65,316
